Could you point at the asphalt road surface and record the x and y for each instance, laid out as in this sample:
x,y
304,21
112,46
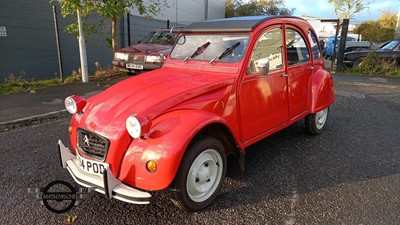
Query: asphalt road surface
x,y
350,174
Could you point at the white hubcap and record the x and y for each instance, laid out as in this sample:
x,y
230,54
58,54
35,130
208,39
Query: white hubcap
x,y
204,175
320,118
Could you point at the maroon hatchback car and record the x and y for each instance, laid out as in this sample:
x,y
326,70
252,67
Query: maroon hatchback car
x,y
148,54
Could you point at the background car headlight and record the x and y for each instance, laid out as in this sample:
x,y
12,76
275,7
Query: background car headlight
x,y
154,58
121,56
74,104
137,126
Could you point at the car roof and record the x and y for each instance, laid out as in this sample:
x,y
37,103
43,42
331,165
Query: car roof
x,y
241,24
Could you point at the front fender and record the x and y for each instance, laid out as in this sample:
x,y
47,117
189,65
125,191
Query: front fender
x,y
165,143
322,91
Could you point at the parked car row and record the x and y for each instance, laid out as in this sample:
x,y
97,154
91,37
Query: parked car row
x,y
389,51
352,44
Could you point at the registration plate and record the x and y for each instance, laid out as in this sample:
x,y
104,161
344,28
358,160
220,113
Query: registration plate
x,y
91,166
134,66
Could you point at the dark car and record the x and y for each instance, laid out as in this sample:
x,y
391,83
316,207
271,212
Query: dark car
x,y
389,51
148,54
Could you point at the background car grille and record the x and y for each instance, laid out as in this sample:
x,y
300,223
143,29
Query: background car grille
x,y
92,144
136,58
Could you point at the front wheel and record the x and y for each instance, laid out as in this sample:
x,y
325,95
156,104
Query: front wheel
x,y
200,175
315,122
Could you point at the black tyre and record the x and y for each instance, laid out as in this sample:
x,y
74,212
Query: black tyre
x,y
358,62
200,174
315,122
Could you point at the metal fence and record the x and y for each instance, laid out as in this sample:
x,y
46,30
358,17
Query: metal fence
x,y
28,40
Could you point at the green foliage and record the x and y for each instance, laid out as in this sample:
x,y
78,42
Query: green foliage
x,y
108,10
256,8
14,84
371,65
87,29
346,9
378,31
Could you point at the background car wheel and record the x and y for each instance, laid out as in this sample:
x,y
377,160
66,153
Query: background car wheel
x,y
358,62
200,174
315,122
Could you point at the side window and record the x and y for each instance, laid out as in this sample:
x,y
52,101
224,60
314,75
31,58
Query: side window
x,y
296,48
267,50
314,45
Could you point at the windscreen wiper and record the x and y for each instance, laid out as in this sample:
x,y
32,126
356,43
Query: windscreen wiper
x,y
198,51
228,50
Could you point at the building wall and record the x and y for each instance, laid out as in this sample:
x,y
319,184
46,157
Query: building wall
x,y
188,11
29,50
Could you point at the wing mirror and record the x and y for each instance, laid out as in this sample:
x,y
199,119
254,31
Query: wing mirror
x,y
264,68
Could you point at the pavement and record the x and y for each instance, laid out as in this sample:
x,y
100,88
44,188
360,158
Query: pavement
x,y
26,108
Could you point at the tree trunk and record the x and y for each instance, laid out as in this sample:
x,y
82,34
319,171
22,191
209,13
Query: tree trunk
x,y
114,33
397,29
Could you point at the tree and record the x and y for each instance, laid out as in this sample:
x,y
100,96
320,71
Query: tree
x,y
256,8
378,31
109,10
346,9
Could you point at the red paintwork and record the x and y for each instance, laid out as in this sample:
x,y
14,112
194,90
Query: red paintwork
x,y
182,98
79,101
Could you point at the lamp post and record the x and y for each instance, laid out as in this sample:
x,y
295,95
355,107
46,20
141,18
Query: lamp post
x,y
397,31
82,47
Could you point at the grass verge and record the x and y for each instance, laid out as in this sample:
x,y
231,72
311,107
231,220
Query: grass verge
x,y
374,66
14,84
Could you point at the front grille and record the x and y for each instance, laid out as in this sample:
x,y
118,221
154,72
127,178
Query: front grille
x,y
138,58
92,144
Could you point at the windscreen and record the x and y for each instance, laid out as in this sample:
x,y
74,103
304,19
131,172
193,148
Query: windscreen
x,y
161,38
221,47
391,45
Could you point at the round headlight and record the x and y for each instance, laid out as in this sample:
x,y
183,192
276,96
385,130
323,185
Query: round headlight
x,y
74,104
138,126
133,126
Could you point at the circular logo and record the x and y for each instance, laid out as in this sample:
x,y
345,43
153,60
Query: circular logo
x,y
59,196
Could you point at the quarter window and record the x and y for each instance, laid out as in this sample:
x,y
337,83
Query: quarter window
x,y
296,48
314,45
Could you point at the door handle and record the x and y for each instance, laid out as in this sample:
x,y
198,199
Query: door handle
x,y
311,68
284,75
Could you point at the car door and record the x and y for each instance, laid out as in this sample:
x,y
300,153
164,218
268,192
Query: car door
x,y
299,70
263,97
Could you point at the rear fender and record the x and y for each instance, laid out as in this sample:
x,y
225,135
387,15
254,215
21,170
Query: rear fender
x,y
165,143
322,92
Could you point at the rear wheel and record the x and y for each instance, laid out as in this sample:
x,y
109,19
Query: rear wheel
x,y
315,122
200,175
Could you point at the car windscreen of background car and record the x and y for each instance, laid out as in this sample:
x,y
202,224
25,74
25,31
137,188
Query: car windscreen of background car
x,y
162,38
222,48
391,45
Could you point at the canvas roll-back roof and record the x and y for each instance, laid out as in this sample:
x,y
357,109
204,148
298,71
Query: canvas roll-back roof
x,y
239,24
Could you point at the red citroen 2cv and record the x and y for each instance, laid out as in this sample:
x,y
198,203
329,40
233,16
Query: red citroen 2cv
x,y
227,84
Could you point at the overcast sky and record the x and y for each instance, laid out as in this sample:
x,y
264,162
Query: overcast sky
x,y
323,9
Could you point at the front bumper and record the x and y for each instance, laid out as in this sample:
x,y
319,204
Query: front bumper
x,y
106,184
348,63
